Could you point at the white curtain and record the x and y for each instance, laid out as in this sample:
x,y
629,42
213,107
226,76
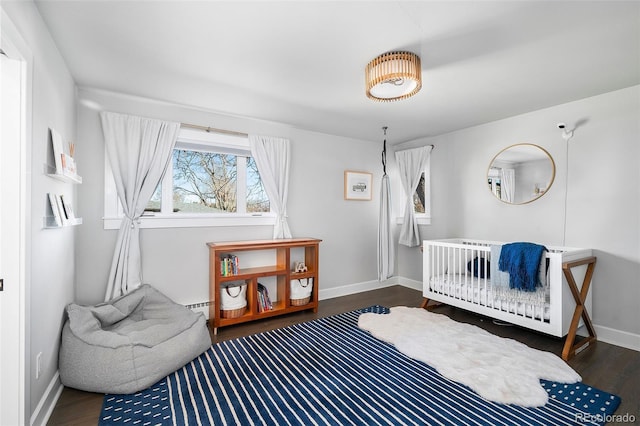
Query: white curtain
x,y
386,246
507,185
411,164
272,157
139,150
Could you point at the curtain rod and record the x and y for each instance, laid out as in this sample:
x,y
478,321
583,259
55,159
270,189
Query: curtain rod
x,y
421,146
226,132
213,129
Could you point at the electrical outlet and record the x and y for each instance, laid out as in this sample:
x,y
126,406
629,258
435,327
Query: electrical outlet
x,y
38,365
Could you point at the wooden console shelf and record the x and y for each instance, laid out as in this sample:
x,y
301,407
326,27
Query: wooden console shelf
x,y
281,268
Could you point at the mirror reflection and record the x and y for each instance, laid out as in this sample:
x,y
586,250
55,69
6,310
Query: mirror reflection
x,y
521,173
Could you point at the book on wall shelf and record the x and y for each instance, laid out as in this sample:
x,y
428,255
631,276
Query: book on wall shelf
x,y
58,152
63,215
59,213
64,164
55,210
68,210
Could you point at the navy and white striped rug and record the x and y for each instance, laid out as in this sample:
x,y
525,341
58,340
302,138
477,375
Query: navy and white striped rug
x,y
328,371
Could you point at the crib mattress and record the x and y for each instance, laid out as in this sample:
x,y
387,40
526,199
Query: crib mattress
x,y
480,292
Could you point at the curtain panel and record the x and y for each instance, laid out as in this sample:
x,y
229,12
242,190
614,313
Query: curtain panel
x,y
386,245
139,150
273,158
508,185
411,164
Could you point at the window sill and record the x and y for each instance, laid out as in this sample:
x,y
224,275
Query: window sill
x,y
194,221
422,220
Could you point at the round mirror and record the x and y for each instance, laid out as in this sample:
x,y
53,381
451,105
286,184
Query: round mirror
x,y
521,173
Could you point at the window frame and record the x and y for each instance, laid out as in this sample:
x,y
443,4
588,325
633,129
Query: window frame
x,y
189,139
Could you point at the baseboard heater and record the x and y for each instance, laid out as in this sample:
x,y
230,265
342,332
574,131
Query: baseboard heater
x,y
201,307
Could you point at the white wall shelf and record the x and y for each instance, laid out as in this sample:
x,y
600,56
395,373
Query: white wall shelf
x,y
64,177
58,214
49,222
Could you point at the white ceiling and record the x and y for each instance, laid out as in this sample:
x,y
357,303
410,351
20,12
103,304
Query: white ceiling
x,y
302,62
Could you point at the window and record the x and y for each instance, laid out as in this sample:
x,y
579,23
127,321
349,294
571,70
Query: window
x,y
211,180
493,179
421,199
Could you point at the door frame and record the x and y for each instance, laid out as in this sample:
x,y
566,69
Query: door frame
x,y
14,344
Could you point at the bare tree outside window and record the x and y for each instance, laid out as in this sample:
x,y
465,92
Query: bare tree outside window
x,y
207,182
155,203
204,182
257,200
419,196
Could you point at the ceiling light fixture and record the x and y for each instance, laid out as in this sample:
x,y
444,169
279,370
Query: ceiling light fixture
x,y
393,76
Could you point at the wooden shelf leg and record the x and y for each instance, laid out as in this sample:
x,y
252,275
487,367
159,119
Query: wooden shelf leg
x,y
580,296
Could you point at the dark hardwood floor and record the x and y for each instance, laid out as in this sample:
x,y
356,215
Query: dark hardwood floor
x,y
607,367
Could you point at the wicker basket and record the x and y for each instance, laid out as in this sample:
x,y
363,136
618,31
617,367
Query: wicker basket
x,y
300,302
233,313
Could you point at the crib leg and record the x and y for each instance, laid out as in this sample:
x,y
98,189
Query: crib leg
x,y
425,304
580,296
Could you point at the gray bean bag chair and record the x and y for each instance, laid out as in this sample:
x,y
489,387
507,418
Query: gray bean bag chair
x,y
129,343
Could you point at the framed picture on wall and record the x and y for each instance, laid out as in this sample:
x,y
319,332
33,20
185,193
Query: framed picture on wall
x,y
357,185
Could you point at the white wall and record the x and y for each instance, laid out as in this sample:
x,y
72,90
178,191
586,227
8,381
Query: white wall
x,y
176,260
602,190
52,265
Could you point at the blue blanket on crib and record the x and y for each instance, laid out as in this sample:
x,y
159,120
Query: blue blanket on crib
x,y
522,262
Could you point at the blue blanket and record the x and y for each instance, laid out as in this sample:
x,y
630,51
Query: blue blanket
x,y
522,262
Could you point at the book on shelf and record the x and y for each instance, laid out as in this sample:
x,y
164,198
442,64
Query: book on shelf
x,y
58,150
68,165
229,265
63,214
264,302
68,211
261,304
55,210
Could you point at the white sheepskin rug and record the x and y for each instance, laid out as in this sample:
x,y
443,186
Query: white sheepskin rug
x,y
498,369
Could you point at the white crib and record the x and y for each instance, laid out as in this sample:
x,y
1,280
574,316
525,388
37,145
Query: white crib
x,y
448,279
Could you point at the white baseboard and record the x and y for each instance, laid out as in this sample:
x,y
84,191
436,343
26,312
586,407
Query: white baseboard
x,y
414,284
47,403
617,337
345,290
